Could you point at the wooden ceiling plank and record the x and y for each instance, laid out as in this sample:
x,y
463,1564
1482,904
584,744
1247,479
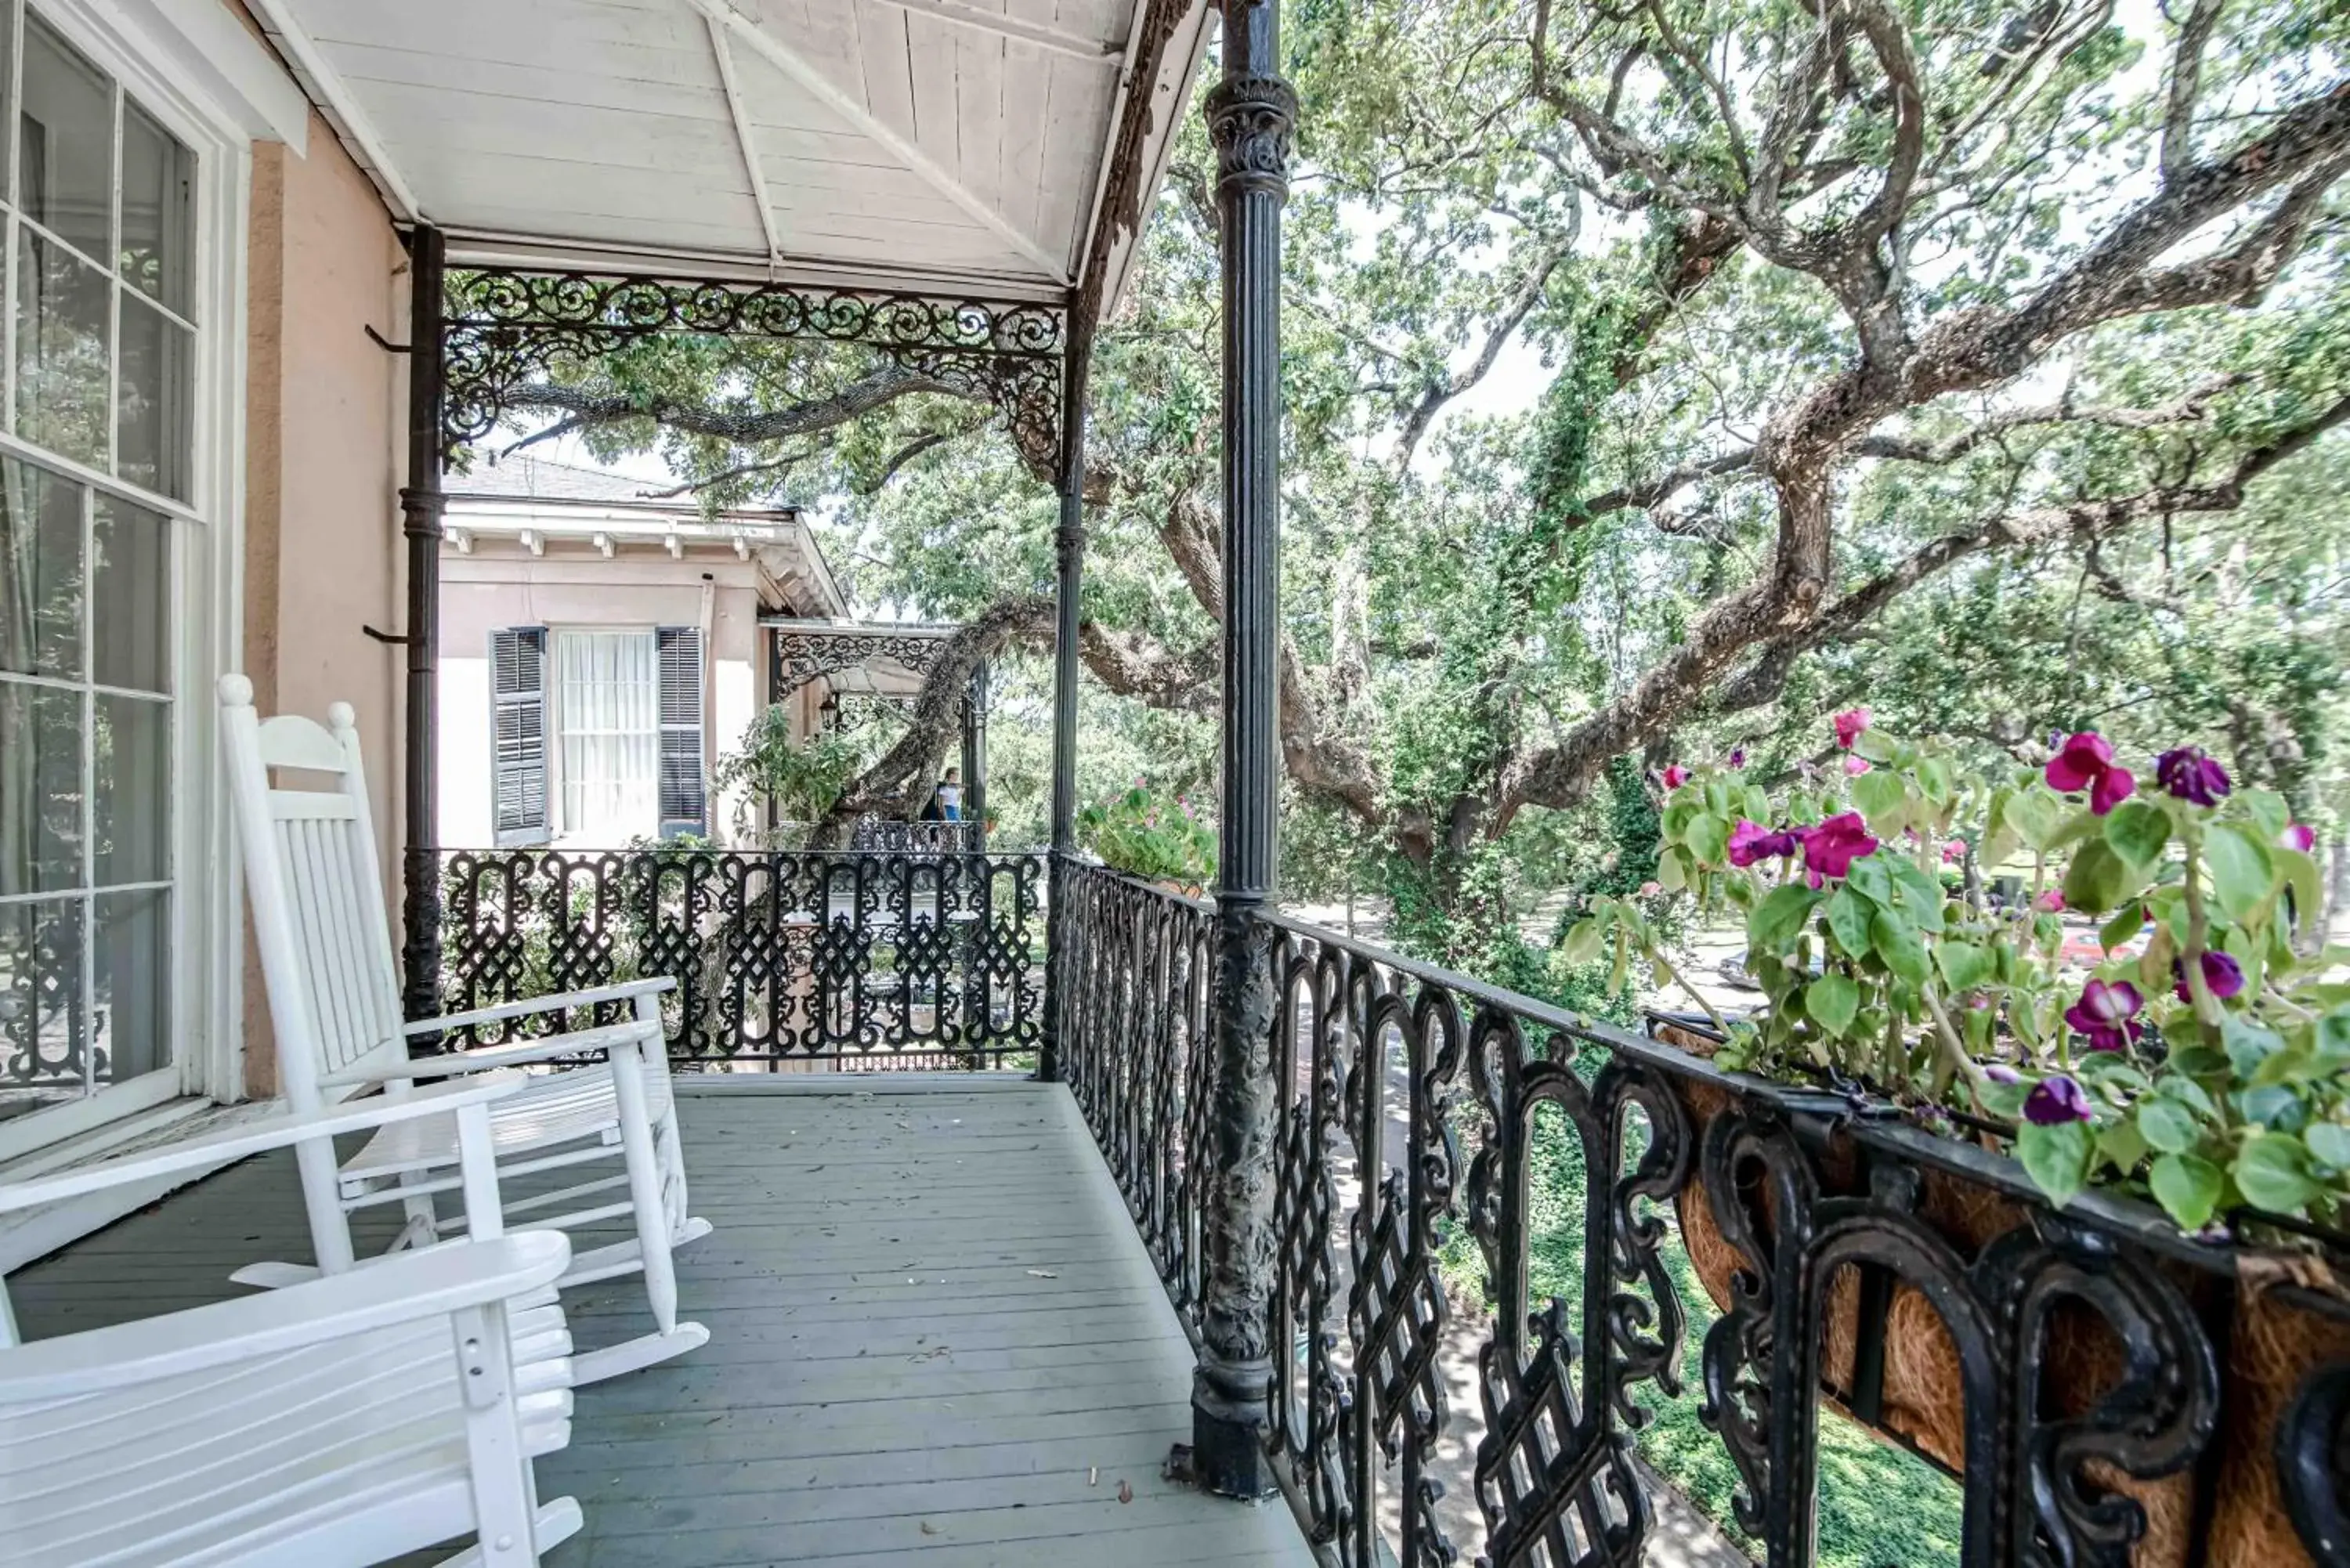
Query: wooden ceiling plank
x,y
743,136
333,95
820,86
1045,36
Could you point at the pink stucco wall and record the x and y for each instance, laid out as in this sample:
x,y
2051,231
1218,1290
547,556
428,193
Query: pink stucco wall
x,y
323,433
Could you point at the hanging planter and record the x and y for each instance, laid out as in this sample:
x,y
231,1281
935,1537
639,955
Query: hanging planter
x,y
2189,1093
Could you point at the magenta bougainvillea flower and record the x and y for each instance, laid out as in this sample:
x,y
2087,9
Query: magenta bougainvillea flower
x,y
1676,775
1856,767
2085,761
2222,976
1954,851
2055,1101
1751,841
2191,775
2052,902
2298,836
1738,757
1849,725
2107,1014
1830,848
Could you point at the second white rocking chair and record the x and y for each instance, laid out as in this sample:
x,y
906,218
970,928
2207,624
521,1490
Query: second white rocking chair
x,y
312,875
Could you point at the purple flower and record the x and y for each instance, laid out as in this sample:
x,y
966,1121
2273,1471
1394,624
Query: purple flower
x,y
2192,776
1676,775
2085,761
1738,757
2001,1072
1830,848
2051,902
1849,725
1856,767
2106,1015
1955,850
2055,1101
2298,836
2222,976
1751,841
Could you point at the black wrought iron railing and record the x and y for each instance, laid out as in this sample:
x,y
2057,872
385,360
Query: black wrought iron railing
x,y
2067,1367
852,958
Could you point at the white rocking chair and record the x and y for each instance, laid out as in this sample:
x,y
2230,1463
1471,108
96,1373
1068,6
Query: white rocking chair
x,y
326,953
328,1425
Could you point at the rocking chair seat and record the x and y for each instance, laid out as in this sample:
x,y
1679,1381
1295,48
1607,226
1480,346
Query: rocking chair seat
x,y
556,1108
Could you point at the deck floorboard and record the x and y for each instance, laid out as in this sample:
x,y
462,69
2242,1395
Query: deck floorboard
x,y
936,1340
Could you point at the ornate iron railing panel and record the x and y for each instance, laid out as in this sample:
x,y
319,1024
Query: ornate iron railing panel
x,y
2087,1416
850,958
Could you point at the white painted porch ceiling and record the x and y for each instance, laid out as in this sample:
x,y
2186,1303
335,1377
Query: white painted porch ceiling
x,y
956,139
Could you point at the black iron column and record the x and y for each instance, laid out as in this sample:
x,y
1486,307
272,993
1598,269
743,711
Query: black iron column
x,y
975,756
1069,562
1249,118
420,512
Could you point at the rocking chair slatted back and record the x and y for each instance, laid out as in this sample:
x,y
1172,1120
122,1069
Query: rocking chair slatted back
x,y
314,884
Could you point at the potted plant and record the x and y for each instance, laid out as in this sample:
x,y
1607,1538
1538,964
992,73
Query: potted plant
x,y
2201,1062
1142,833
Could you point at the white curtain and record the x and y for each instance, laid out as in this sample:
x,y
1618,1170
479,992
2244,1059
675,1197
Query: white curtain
x,y
607,717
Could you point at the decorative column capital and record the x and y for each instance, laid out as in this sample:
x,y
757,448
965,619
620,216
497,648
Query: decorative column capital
x,y
1250,119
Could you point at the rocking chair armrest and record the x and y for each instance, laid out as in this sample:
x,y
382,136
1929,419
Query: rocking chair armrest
x,y
430,1281
214,1149
627,990
521,1053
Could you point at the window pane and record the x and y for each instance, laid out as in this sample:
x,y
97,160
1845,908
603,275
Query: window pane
x,y
61,351
608,700
42,1032
158,178
65,143
131,1014
131,597
151,442
40,573
40,788
134,790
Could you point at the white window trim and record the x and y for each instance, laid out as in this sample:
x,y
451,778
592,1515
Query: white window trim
x,y
207,936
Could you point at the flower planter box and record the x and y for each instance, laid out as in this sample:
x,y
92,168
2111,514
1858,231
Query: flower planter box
x,y
2270,1325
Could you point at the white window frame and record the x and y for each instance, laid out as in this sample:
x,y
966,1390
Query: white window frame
x,y
207,581
559,827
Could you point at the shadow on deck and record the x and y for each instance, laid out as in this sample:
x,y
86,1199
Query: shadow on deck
x,y
935,1337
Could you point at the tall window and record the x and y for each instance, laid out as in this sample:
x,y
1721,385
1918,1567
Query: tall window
x,y
97,198
607,723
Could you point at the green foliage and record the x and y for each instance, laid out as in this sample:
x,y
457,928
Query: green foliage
x,y
804,778
1145,833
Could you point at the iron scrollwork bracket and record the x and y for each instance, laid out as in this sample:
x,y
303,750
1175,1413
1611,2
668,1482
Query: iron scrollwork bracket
x,y
504,328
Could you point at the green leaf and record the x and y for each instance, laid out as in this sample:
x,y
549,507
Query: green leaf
x,y
2139,832
1921,895
1848,918
1896,943
2034,815
1934,779
2268,808
2274,1106
1708,837
1964,965
1875,745
1881,797
2300,874
2241,871
1873,876
1672,874
2005,1099
2188,1187
1674,823
2121,1145
2186,1091
2248,1044
2098,879
2168,1126
2057,1158
1583,940
2329,1144
2272,1173
1832,1000
2122,926
1778,918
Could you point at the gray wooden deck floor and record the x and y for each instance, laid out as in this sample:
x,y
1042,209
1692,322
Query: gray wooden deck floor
x,y
934,1338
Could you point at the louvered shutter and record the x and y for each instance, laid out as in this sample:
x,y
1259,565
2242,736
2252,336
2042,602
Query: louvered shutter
x,y
519,680
680,731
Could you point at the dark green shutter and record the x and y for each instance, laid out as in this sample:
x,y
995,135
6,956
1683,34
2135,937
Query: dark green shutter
x,y
518,683
681,797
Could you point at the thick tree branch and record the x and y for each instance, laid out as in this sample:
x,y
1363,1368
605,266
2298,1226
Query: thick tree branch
x,y
2185,85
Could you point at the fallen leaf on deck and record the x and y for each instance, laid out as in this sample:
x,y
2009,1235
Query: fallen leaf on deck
x,y
1125,1492
1044,1273
1092,1474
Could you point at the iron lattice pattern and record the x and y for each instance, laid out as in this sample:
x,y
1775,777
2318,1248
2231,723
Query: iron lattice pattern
x,y
1392,1071
850,958
800,655
504,328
